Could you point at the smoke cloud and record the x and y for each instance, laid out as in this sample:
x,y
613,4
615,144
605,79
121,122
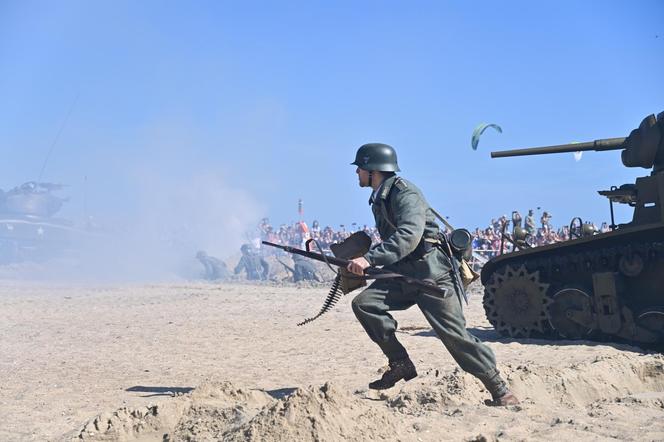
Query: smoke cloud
x,y
146,209
156,240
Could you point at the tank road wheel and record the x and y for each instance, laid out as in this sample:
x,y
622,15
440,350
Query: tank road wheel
x,y
514,302
570,313
653,320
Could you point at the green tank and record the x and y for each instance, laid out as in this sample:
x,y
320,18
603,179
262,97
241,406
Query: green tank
x,y
600,286
29,229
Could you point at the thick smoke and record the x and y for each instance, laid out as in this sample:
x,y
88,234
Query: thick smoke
x,y
152,228
171,221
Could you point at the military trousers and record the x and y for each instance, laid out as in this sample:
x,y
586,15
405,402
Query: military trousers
x,y
444,314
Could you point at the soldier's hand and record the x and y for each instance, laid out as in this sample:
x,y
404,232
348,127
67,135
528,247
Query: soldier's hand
x,y
358,265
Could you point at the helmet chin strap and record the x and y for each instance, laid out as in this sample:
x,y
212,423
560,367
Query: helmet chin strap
x,y
370,177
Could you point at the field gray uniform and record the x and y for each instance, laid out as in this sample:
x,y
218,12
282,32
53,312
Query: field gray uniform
x,y
254,265
303,270
405,223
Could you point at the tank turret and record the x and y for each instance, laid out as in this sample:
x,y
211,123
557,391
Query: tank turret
x,y
33,199
602,286
28,228
644,147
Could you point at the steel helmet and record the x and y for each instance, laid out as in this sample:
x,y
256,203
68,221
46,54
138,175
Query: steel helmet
x,y
376,157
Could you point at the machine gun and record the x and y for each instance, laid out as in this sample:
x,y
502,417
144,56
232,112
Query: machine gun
x,y
369,273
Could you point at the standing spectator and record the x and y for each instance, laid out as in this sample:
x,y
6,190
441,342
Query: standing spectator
x,y
545,219
264,225
503,221
315,230
530,223
516,220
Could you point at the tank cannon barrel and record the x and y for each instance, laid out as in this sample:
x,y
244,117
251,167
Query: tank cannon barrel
x,y
597,145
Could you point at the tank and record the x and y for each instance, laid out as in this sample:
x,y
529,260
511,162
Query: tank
x,y
599,286
29,230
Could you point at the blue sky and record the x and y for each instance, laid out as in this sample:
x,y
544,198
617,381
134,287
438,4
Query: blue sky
x,y
273,98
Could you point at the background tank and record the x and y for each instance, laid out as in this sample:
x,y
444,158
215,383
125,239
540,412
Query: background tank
x,y
603,286
28,229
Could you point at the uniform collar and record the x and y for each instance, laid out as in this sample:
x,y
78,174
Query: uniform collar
x,y
383,190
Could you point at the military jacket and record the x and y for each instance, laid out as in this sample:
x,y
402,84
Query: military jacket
x,y
303,271
214,268
252,264
404,220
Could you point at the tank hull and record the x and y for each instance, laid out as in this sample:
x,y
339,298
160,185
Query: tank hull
x,y
608,286
29,238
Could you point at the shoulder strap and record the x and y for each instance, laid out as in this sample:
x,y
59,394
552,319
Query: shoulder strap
x,y
383,210
399,184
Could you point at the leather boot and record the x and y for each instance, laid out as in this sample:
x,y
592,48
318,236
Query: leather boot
x,y
506,399
401,369
501,396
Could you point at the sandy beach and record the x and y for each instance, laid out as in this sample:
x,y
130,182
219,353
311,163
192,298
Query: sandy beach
x,y
194,361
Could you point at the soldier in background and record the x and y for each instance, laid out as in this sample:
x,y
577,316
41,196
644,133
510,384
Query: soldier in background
x,y
304,270
256,267
215,269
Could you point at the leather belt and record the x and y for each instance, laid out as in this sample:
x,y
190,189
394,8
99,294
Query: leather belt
x,y
424,247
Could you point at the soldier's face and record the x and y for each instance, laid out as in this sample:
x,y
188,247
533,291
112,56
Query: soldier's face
x,y
363,176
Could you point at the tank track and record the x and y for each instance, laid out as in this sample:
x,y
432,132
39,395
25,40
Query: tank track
x,y
532,295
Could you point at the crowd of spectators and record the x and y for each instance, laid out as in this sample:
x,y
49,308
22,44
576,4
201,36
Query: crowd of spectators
x,y
486,241
297,233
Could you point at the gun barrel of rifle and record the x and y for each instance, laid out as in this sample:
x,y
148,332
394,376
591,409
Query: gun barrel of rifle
x,y
313,255
279,246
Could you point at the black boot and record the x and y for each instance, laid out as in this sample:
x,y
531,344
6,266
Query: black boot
x,y
501,395
504,400
401,369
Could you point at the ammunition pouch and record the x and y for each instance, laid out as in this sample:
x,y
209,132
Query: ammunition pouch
x,y
350,281
356,245
467,274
